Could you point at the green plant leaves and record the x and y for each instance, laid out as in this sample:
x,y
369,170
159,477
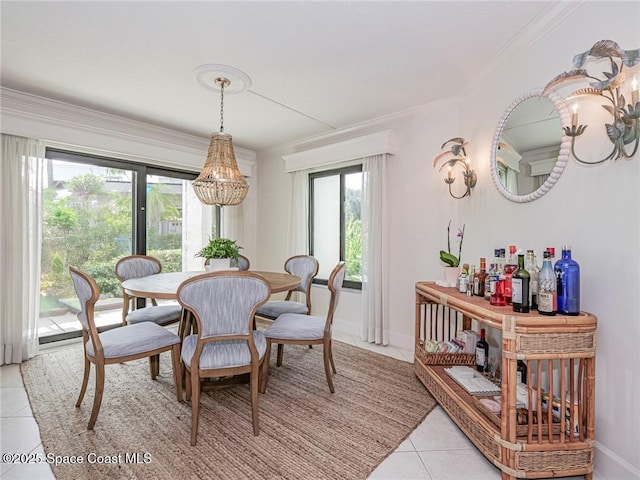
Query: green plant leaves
x,y
449,259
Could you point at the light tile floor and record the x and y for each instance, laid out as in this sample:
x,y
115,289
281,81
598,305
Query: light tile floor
x,y
435,450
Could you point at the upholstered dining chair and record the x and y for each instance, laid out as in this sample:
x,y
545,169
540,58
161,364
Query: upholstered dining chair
x,y
223,305
242,263
303,266
118,345
136,266
300,329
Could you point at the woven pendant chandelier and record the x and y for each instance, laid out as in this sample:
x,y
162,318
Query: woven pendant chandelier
x,y
220,182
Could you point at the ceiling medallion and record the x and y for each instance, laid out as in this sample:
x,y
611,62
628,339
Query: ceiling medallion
x,y
206,75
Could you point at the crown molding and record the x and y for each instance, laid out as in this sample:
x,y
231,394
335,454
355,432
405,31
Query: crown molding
x,y
62,123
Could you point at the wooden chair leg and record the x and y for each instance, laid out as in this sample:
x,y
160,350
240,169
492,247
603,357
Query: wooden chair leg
x,y
327,366
97,399
126,304
253,383
85,381
280,355
264,368
176,363
195,405
154,366
333,364
187,384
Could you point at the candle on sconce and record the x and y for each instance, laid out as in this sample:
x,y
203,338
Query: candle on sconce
x,y
634,91
449,172
574,116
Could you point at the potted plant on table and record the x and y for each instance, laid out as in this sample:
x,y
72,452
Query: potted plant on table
x,y
451,261
218,253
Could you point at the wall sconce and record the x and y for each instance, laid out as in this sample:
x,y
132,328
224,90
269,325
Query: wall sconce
x,y
460,159
624,130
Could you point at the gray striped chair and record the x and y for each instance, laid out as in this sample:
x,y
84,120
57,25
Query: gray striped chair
x,y
223,305
242,263
136,266
303,266
300,329
118,345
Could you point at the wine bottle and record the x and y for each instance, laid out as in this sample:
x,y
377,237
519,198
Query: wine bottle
x,y
509,268
521,372
568,283
482,353
547,284
531,266
520,281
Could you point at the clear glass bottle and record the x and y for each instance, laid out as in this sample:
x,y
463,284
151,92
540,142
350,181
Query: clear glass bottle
x,y
509,268
520,281
568,283
479,278
531,266
487,282
547,284
462,279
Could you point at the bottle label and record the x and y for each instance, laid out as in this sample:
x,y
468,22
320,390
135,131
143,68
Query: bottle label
x,y
481,358
516,290
546,302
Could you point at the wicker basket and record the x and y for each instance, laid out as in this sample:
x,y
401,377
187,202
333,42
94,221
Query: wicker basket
x,y
521,430
428,358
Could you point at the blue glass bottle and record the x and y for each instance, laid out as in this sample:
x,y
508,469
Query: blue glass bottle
x,y
568,280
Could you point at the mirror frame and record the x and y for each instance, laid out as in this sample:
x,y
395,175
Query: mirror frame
x,y
563,155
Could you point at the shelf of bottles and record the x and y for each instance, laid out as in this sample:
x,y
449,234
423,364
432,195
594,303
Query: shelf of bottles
x,y
542,422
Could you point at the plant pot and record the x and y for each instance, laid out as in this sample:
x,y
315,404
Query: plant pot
x,y
216,264
451,274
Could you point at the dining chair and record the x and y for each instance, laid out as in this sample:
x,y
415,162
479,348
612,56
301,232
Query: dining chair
x,y
303,266
300,329
119,344
136,266
242,263
223,305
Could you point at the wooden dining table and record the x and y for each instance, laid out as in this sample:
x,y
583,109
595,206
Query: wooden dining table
x,y
164,286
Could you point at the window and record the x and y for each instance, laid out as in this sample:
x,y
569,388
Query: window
x,y
97,210
335,228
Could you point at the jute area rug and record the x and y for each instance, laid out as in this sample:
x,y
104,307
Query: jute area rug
x,y
305,431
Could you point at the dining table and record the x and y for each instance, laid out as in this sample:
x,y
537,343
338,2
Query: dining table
x,y
164,286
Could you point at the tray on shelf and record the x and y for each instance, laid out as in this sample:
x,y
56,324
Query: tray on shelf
x,y
427,358
474,384
522,416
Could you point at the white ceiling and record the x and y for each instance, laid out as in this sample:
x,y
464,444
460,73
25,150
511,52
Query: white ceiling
x,y
331,64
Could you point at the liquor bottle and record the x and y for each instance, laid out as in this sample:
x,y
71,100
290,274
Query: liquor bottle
x,y
508,270
497,294
471,272
521,372
462,279
568,283
520,281
487,282
482,353
531,266
479,278
547,284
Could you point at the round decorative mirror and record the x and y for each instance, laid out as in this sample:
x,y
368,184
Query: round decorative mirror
x,y
530,150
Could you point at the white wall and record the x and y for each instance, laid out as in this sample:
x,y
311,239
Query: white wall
x,y
595,209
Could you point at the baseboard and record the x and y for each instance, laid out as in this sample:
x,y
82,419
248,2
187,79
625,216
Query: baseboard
x,y
405,342
609,466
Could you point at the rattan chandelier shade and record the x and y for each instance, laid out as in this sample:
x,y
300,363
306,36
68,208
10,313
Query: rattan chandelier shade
x,y
220,182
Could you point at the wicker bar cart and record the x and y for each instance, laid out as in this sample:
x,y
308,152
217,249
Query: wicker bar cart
x,y
544,428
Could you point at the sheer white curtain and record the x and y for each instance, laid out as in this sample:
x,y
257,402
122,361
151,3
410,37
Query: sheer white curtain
x,y
232,223
299,217
21,179
375,271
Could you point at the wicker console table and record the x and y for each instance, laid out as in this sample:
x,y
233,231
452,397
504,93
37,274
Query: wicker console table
x,y
559,352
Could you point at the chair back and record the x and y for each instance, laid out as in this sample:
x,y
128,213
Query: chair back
x,y
242,263
224,303
335,287
306,267
136,266
88,292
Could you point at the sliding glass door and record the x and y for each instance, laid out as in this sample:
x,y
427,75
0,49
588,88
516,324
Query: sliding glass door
x,y
98,210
